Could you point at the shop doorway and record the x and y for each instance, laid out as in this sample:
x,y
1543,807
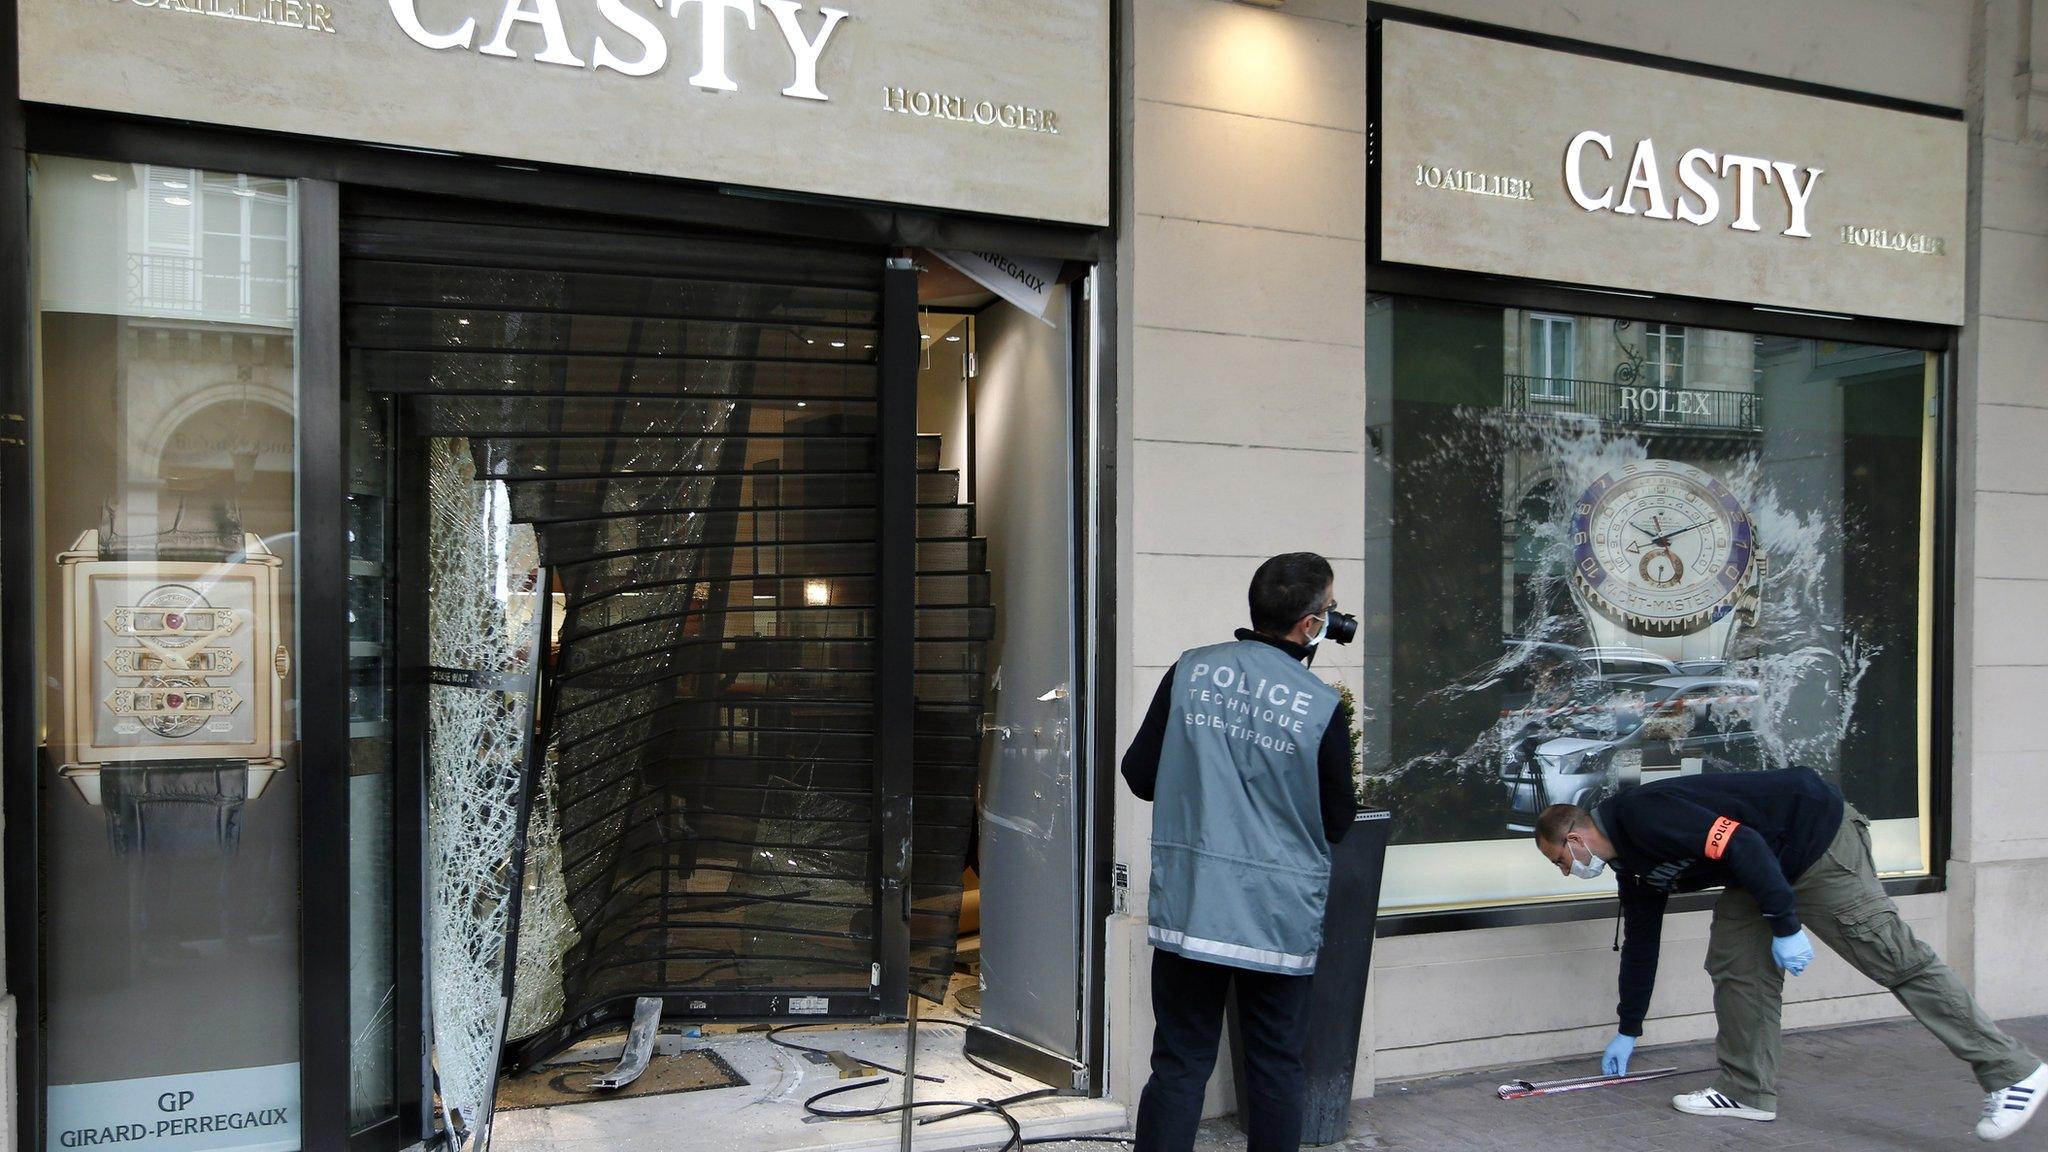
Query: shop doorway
x,y
691,710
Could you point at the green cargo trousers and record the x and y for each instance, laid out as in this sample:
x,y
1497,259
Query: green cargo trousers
x,y
1842,903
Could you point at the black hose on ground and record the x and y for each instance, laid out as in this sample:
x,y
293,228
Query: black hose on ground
x,y
997,1108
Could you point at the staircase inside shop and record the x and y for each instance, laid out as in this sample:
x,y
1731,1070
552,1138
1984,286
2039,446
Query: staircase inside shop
x,y
690,425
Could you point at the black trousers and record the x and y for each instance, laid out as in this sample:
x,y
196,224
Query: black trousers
x,y
1187,1016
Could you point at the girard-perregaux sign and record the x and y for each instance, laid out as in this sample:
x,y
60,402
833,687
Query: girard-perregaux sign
x,y
633,43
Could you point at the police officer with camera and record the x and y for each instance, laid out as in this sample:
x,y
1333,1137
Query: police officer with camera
x,y
1246,758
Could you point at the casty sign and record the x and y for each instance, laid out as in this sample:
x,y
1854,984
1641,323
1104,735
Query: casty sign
x,y
1697,190
1508,158
984,106
635,43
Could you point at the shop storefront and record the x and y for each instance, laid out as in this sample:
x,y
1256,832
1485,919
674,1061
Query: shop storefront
x,y
616,439
1656,401
518,508
1626,364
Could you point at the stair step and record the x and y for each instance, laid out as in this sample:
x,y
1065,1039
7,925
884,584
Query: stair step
x,y
539,498
783,561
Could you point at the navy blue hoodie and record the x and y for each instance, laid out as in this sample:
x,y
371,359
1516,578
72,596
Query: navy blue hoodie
x,y
1758,831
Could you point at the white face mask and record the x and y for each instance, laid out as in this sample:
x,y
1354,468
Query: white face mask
x,y
1588,869
1316,637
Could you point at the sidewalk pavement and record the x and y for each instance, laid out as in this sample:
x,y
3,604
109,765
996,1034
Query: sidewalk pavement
x,y
1886,1087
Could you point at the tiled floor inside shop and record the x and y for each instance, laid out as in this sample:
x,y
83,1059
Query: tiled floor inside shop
x,y
767,1114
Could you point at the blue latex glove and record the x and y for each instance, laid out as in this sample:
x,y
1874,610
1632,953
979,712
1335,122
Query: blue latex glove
x,y
1793,953
1614,1062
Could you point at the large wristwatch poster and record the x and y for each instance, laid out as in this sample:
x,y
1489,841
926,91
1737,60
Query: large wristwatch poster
x,y
1607,552
167,423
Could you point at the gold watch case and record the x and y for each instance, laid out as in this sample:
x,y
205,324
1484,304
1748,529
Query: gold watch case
x,y
167,661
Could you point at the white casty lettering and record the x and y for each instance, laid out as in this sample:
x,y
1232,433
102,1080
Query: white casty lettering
x,y
1642,177
1574,178
711,39
653,45
545,15
1796,194
804,50
1748,168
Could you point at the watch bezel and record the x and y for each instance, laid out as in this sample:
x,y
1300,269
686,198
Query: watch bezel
x,y
1589,575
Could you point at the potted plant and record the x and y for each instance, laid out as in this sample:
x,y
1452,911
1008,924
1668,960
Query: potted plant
x,y
1337,991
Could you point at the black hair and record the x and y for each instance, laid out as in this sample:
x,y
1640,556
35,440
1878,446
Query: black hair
x,y
1286,588
1557,820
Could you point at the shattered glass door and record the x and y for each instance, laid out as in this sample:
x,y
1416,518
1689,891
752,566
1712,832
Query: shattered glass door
x,y
685,428
485,608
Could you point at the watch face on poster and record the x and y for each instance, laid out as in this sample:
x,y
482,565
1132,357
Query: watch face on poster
x,y
1660,547
169,661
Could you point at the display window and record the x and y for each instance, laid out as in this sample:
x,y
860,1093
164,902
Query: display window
x,y
167,419
1703,551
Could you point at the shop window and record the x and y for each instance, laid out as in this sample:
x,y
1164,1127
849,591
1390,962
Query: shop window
x,y
1762,531
167,414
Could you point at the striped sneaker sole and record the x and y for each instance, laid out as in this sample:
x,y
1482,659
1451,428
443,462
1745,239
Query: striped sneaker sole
x,y
1708,1102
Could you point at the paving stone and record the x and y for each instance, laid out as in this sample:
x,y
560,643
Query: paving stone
x,y
1886,1087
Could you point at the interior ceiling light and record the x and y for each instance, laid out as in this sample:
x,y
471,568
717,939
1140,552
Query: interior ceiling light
x,y
245,193
177,185
178,201
817,593
105,177
952,339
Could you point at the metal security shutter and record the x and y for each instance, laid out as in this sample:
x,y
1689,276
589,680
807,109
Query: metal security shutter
x,y
689,422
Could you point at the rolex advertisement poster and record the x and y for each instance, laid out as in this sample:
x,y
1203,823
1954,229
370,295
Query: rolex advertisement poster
x,y
1606,552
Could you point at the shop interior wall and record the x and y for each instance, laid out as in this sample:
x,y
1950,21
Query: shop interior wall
x,y
1243,196
1999,858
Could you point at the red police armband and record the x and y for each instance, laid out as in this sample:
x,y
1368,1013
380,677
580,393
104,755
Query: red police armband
x,y
1719,835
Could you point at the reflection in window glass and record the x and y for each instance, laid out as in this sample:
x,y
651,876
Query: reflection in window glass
x,y
1724,572
1550,355
167,409
1663,355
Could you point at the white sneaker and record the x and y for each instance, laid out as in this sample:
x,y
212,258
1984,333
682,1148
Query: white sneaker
x,y
1707,1102
2007,1110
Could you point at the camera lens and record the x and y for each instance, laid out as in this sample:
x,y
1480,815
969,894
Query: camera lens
x,y
1342,628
